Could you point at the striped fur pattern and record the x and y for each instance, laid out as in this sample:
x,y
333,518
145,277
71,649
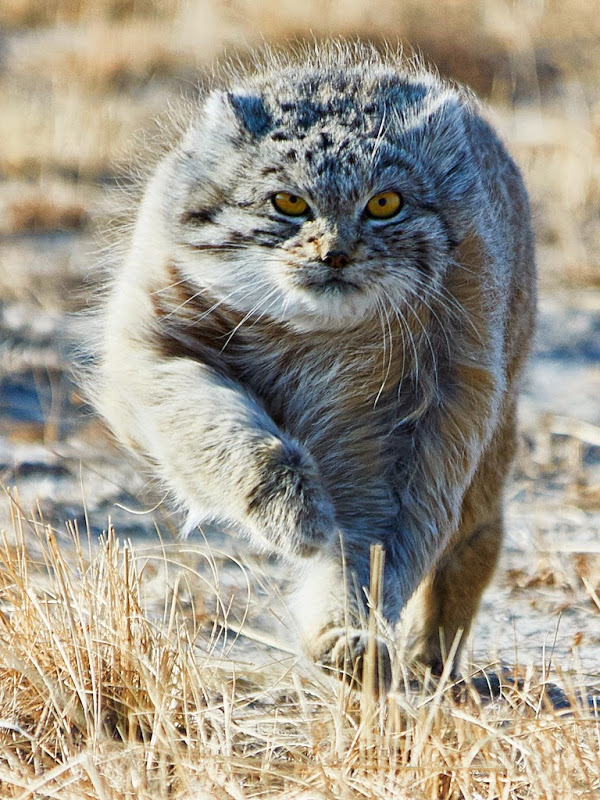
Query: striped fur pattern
x,y
320,408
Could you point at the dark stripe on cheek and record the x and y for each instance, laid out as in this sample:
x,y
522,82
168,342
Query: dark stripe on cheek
x,y
262,237
422,253
450,240
235,237
198,216
260,232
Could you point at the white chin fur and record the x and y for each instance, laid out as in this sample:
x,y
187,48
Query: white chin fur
x,y
306,311
302,309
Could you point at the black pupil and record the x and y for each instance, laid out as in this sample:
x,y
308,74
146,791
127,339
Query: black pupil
x,y
382,201
293,198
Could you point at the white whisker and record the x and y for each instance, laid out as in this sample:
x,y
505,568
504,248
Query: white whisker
x,y
247,316
405,326
386,371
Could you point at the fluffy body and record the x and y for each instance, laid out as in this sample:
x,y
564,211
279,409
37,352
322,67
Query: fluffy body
x,y
325,406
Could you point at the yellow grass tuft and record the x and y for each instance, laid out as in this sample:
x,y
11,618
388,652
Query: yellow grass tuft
x,y
100,700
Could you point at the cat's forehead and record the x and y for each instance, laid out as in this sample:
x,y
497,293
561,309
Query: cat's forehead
x,y
352,98
326,125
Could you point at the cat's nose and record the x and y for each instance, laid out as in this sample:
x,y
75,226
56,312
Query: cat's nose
x,y
336,259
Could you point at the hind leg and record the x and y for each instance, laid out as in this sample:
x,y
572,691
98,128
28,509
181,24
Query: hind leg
x,y
451,593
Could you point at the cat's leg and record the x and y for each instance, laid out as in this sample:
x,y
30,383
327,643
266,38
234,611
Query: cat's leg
x,y
345,604
448,533
451,593
219,451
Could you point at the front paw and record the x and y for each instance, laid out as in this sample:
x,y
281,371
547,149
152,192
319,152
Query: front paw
x,y
345,652
288,505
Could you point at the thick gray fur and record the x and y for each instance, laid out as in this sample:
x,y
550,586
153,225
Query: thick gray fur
x,y
324,410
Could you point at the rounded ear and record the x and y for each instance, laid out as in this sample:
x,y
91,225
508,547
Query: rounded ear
x,y
236,111
444,138
225,123
447,145
250,111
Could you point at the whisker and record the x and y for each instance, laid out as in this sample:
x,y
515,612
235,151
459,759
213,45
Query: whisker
x,y
404,326
219,302
433,312
465,267
170,286
264,311
429,344
185,303
380,305
379,137
449,303
248,315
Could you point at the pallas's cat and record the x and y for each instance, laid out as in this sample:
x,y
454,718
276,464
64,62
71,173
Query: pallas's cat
x,y
318,331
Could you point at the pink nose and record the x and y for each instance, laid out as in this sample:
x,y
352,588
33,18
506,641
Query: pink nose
x,y
337,259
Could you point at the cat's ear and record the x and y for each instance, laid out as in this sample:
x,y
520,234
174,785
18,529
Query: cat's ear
x,y
445,143
240,109
251,112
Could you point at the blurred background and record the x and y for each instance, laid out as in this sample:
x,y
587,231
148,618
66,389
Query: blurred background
x,y
82,85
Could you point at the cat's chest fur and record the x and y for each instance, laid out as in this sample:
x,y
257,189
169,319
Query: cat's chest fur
x,y
343,394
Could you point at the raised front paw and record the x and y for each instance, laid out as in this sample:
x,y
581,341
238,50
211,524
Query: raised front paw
x,y
287,504
351,655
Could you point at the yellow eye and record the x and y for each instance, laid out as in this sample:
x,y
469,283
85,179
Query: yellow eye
x,y
290,204
384,205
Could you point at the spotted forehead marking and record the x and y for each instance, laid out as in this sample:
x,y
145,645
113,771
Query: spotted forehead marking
x,y
329,130
351,101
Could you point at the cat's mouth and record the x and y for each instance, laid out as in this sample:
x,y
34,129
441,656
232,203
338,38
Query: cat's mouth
x,y
332,284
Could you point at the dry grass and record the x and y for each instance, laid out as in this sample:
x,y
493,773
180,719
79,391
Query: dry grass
x,y
98,700
19,13
68,134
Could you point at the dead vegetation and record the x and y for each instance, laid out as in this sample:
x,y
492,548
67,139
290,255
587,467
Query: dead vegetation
x,y
99,699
